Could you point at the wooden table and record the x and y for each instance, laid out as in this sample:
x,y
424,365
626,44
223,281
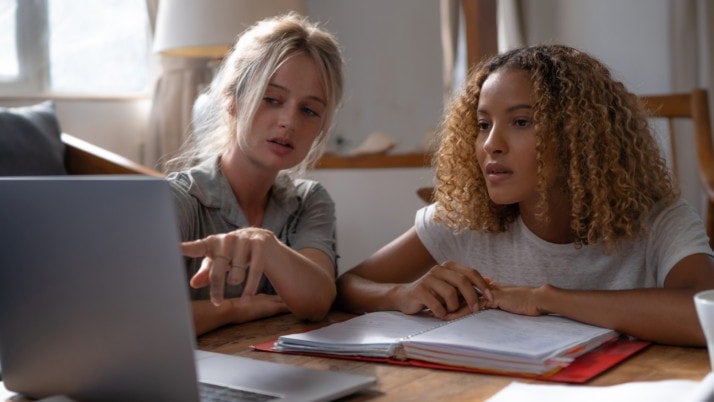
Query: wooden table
x,y
398,383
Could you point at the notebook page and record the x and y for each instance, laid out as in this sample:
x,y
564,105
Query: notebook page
x,y
372,334
496,333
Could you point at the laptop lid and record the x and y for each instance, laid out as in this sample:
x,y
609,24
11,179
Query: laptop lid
x,y
94,300
88,289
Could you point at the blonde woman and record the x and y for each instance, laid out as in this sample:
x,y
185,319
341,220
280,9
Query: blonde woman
x,y
259,240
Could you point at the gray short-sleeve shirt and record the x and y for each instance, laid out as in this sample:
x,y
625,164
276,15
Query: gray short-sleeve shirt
x,y
519,257
299,212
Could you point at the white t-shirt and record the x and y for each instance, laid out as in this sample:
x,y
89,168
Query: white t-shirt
x,y
519,257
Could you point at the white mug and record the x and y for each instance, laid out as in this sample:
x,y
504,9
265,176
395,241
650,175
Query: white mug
x,y
704,303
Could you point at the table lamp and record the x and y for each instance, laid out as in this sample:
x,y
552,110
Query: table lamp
x,y
193,28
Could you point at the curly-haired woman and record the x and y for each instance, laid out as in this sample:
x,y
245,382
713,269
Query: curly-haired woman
x,y
552,197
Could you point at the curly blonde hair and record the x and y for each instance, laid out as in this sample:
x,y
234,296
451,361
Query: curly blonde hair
x,y
597,131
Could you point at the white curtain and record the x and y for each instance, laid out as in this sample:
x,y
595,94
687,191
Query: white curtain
x,y
178,83
692,66
510,25
453,38
449,10
175,93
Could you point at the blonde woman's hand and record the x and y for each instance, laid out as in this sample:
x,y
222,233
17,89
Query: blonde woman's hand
x,y
235,257
256,307
449,290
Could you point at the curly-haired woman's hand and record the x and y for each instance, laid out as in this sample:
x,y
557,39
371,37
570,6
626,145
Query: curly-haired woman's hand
x,y
516,299
449,290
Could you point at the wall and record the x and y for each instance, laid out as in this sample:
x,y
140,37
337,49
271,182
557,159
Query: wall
x,y
393,67
373,207
393,84
120,126
630,36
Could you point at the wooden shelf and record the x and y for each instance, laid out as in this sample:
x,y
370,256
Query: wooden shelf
x,y
402,160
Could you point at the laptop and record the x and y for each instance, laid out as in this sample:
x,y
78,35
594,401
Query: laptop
x,y
94,301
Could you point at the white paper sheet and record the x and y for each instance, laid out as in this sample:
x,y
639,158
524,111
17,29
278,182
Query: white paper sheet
x,y
652,391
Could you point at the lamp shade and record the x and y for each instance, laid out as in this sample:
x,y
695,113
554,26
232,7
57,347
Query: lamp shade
x,y
208,28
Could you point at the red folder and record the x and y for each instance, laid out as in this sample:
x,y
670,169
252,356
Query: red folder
x,y
582,369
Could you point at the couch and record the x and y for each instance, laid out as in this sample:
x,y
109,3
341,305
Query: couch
x,y
32,144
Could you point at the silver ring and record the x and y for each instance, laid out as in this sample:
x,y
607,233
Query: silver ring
x,y
218,256
243,266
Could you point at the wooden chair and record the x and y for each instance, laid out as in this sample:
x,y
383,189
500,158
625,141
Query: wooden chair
x,y
426,194
82,157
694,106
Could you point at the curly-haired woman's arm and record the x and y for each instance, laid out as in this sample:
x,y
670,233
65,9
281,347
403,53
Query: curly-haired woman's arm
x,y
403,276
663,315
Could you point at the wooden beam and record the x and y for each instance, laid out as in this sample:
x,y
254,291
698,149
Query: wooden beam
x,y
405,160
481,30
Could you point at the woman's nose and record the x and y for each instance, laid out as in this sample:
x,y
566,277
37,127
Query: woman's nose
x,y
287,118
495,142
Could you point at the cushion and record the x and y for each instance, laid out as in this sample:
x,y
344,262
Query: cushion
x,y
30,142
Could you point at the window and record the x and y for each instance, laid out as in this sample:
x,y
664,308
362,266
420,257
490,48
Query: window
x,y
74,47
9,67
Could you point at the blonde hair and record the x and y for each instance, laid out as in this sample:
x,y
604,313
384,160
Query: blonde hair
x,y
594,131
244,76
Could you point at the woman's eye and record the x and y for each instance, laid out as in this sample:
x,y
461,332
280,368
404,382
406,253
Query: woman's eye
x,y
310,112
522,122
270,100
483,125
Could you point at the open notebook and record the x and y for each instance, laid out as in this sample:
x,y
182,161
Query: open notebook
x,y
494,341
95,301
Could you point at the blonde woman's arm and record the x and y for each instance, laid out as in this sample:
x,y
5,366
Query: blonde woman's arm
x,y
304,279
207,316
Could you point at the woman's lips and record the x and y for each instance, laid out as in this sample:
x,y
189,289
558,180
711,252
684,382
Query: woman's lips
x,y
497,173
280,146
